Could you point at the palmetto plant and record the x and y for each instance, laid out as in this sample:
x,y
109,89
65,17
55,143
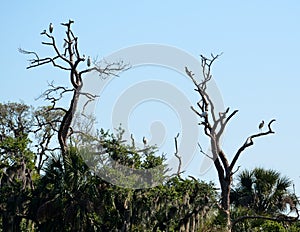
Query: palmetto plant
x,y
265,191
261,195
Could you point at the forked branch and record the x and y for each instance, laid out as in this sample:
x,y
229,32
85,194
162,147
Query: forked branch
x,y
280,218
249,142
68,60
177,155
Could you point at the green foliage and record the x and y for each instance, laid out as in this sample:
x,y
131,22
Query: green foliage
x,y
264,191
295,227
16,162
41,191
69,195
270,226
100,206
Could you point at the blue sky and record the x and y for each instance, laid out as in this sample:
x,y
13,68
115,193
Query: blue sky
x,y
258,72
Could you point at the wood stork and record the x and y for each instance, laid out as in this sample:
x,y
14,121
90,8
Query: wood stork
x,y
88,62
144,141
261,125
51,28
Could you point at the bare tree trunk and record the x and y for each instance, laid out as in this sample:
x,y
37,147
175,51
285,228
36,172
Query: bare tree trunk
x,y
214,124
226,204
65,125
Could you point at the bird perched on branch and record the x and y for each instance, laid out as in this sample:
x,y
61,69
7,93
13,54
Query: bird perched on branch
x,y
88,62
51,28
261,125
144,141
188,72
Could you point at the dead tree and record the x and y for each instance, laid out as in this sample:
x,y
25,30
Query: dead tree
x,y
214,124
68,59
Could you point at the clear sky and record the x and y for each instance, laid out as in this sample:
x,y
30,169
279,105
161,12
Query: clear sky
x,y
258,72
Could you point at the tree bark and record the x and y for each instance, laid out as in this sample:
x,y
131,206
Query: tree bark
x,y
225,201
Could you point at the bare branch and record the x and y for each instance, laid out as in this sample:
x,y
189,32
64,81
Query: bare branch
x,y
224,124
280,218
249,142
28,52
91,97
49,95
109,69
199,90
132,140
177,156
199,114
238,168
201,150
36,63
202,86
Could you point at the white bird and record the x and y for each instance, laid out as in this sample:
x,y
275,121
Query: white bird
x,y
144,141
88,62
51,28
261,125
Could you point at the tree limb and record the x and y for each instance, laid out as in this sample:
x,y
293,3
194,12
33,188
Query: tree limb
x,y
280,218
177,156
249,142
